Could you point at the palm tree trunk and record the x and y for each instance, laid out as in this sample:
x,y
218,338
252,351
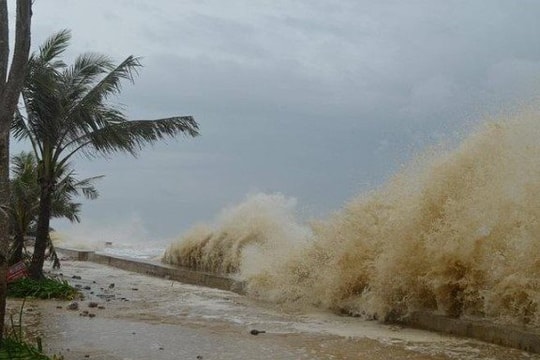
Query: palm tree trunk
x,y
42,231
4,221
11,83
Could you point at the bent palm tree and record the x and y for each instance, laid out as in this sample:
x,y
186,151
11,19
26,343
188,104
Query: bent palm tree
x,y
68,112
24,204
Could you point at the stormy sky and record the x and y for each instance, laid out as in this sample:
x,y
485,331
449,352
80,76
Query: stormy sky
x,y
318,100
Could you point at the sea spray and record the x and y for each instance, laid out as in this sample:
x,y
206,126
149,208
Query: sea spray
x,y
457,233
243,235
127,239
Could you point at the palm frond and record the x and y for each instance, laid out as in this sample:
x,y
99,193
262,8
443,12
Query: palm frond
x,y
68,186
89,83
109,85
25,192
131,136
87,188
54,46
69,211
87,68
21,131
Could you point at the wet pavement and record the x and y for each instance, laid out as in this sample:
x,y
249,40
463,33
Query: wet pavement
x,y
140,317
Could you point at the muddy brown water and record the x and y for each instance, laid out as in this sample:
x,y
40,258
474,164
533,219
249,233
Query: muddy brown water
x,y
149,318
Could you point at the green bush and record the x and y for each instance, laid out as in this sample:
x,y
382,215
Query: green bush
x,y
16,349
42,289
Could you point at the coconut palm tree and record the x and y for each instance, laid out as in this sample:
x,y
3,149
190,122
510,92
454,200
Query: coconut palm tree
x,y
68,111
24,204
24,200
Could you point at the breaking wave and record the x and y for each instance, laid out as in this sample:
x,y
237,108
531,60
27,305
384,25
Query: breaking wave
x,y
456,232
260,226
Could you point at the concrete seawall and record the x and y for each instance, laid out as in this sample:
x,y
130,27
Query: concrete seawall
x,y
158,269
516,337
510,336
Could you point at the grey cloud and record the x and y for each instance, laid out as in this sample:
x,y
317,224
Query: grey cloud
x,y
316,99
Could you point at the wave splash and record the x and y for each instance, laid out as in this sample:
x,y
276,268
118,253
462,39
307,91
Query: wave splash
x,y
455,232
243,236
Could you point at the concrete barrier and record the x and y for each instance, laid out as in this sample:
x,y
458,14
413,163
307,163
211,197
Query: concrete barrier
x,y
520,338
510,336
81,255
158,269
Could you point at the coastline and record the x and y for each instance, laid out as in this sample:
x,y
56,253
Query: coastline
x,y
510,336
154,317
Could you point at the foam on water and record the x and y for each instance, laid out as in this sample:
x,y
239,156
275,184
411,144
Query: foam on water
x,y
455,232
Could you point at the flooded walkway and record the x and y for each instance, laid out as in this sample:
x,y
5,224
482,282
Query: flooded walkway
x,y
141,317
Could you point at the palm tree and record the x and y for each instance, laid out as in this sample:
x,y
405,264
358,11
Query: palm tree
x,y
24,200
24,204
68,111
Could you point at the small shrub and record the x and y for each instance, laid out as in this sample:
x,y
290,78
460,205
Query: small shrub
x,y
42,289
16,349
14,346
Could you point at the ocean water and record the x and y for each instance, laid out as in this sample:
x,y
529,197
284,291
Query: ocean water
x,y
456,232
128,239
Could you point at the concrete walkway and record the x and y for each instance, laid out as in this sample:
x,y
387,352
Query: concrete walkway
x,y
519,338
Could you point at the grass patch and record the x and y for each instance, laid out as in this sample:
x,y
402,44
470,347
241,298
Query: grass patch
x,y
12,348
42,289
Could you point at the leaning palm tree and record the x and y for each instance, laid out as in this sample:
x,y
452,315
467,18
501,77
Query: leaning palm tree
x,y
68,111
24,203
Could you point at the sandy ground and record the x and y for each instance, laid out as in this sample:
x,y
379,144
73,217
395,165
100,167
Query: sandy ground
x,y
140,317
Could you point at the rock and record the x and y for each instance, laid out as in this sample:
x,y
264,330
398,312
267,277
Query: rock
x,y
59,307
256,332
87,288
134,289
111,286
101,307
92,304
77,277
107,297
199,357
91,315
73,305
